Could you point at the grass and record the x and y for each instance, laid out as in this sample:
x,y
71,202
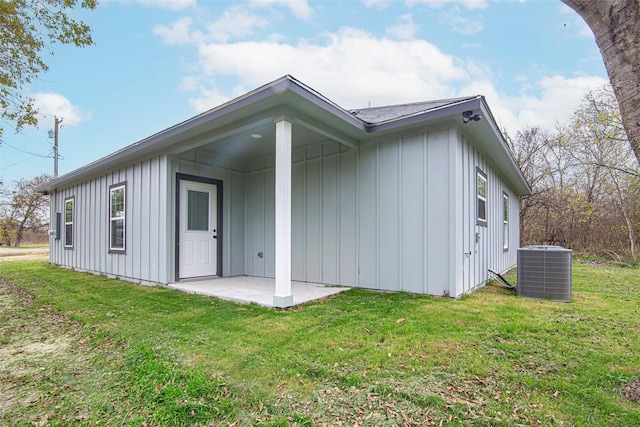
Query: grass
x,y
154,356
27,246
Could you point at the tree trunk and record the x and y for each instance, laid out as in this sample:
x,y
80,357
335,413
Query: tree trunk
x,y
625,214
616,26
19,234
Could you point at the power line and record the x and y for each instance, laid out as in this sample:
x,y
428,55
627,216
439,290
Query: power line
x,y
33,139
21,161
26,152
84,124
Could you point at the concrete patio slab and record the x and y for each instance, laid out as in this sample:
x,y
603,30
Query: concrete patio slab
x,y
259,290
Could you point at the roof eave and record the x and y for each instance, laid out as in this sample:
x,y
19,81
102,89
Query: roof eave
x,y
288,92
423,116
522,188
285,90
488,126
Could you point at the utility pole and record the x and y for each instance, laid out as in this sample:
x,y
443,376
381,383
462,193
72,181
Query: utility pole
x,y
55,147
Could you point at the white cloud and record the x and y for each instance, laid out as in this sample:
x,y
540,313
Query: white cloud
x,y
559,99
300,8
51,104
191,84
179,32
405,29
236,22
353,68
455,15
169,4
377,4
468,4
459,23
547,102
207,99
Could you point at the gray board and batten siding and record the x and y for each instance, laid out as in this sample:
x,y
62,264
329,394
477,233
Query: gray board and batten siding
x,y
395,212
145,258
379,217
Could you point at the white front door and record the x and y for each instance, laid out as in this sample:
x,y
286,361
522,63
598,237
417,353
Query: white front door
x,y
198,229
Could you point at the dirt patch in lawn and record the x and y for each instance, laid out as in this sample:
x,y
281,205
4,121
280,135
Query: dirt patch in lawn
x,y
633,391
39,351
9,254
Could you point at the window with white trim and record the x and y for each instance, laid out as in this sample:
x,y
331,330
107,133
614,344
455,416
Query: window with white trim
x,y
505,221
481,192
117,217
68,222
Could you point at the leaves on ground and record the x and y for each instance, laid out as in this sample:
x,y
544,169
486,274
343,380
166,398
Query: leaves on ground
x,y
128,355
633,391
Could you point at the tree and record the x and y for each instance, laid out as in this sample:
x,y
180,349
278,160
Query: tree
x,y
616,27
27,28
24,209
602,152
530,148
585,182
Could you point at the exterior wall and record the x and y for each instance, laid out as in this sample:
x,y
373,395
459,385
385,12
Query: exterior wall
x,y
232,174
398,214
361,218
488,252
323,216
147,224
404,214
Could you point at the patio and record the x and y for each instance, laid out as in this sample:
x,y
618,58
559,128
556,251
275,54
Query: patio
x,y
259,290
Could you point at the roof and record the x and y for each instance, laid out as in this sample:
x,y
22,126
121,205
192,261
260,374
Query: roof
x,y
287,95
387,113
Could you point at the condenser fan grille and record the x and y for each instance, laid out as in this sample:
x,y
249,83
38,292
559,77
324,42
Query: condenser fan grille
x,y
544,272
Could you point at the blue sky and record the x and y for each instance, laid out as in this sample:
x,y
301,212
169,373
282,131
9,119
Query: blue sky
x,y
156,63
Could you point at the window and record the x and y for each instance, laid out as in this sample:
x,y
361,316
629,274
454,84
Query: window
x,y
505,221
198,210
68,222
481,191
117,215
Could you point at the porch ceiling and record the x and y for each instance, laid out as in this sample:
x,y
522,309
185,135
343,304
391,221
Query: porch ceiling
x,y
243,146
236,141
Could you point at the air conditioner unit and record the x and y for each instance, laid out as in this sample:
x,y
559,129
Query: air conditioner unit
x,y
544,272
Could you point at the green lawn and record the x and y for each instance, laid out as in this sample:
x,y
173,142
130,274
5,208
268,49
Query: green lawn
x,y
154,356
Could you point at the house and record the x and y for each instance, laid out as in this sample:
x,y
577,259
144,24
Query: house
x,y
283,183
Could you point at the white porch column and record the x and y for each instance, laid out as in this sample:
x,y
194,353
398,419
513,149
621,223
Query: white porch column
x,y
283,296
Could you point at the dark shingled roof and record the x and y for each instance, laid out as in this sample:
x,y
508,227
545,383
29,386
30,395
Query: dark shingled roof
x,y
387,113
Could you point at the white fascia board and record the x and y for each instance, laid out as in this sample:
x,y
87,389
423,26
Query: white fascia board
x,y
517,177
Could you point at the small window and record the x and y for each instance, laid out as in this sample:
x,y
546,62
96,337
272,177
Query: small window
x,y
505,221
68,222
117,217
481,191
198,210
